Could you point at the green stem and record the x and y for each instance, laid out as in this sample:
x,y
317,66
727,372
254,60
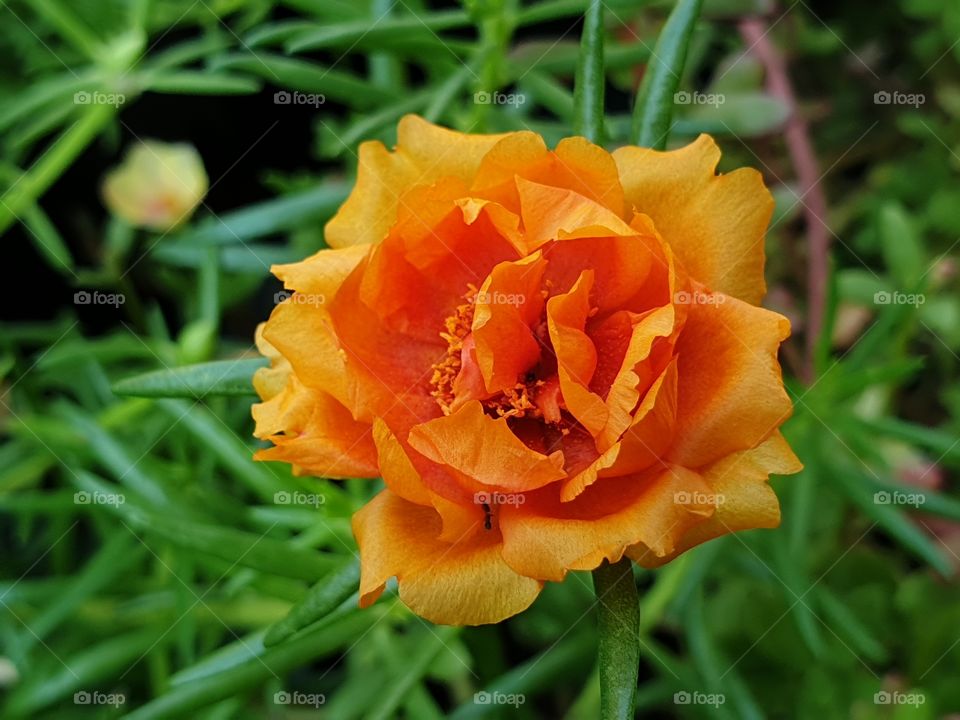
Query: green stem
x,y
53,163
589,89
653,110
619,625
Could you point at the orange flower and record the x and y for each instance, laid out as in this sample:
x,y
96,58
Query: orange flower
x,y
552,358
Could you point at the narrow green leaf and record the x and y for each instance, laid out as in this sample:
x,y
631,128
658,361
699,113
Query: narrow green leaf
x,y
220,377
902,248
860,489
116,556
941,442
246,258
619,630
235,547
434,641
590,78
53,162
326,640
849,625
192,82
47,238
309,77
653,110
350,33
84,670
320,601
550,93
265,218
217,437
568,660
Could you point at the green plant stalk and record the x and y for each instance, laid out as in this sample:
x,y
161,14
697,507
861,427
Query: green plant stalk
x,y
53,163
653,110
589,88
619,631
70,27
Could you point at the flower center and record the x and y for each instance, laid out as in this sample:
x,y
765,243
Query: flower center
x,y
514,402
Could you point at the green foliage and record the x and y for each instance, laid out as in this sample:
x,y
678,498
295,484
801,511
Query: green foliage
x,y
146,556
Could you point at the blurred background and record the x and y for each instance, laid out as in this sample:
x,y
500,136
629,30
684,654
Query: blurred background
x,y
148,566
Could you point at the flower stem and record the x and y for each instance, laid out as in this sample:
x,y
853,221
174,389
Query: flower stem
x,y
619,625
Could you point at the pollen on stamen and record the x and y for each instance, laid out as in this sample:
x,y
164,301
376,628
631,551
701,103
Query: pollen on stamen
x,y
445,372
514,402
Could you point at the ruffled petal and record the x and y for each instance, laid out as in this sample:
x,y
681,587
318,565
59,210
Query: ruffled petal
x,y
715,224
744,499
458,583
650,434
730,394
576,356
424,154
545,538
508,304
486,450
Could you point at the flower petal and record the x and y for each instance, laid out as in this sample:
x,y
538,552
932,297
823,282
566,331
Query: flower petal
x,y
730,391
545,538
424,154
744,498
508,304
576,356
644,442
460,583
486,450
715,224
